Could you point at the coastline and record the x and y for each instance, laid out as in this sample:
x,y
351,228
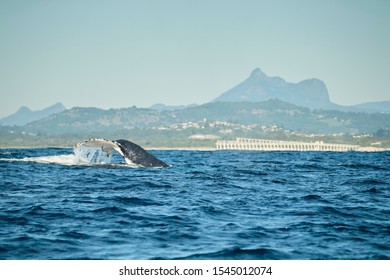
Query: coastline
x,y
205,149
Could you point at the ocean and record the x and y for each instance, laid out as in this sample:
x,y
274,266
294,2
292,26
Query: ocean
x,y
207,205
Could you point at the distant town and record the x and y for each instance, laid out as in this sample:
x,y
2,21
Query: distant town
x,y
202,134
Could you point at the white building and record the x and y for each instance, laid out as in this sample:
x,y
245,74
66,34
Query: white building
x,y
275,145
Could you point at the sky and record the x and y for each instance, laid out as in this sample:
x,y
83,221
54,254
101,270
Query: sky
x,y
123,53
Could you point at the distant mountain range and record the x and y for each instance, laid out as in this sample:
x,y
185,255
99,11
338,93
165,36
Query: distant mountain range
x,y
25,115
311,93
257,88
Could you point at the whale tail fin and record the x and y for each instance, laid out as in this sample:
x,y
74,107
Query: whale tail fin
x,y
131,152
136,154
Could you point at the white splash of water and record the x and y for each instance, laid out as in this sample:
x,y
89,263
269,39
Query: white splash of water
x,y
60,159
81,156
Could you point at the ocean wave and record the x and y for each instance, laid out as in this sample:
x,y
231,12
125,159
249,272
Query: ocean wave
x,y
364,166
135,201
109,209
237,253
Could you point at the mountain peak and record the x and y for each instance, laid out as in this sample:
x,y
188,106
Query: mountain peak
x,y
24,110
257,73
56,107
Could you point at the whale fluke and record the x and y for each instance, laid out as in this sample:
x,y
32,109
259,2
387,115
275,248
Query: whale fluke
x,y
131,152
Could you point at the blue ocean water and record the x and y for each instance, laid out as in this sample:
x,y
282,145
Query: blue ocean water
x,y
208,205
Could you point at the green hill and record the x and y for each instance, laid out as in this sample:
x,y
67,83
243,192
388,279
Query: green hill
x,y
182,127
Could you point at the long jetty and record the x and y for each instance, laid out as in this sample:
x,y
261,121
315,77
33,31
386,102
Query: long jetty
x,y
276,145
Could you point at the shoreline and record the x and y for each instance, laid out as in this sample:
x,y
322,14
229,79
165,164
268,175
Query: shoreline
x,y
210,149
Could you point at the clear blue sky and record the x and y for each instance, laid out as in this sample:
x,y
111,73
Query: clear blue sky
x,y
121,53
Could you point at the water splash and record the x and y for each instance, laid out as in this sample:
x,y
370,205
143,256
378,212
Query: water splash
x,y
81,156
60,159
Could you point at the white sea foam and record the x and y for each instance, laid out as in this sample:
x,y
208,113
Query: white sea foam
x,y
60,159
81,156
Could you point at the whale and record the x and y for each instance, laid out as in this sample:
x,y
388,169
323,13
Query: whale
x,y
132,153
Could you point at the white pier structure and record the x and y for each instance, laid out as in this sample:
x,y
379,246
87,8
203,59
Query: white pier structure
x,y
275,145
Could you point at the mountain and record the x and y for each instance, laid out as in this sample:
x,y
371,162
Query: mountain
x,y
81,119
25,115
259,87
162,107
311,93
374,107
271,112
271,119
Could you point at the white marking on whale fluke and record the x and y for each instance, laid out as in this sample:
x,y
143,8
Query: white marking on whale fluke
x,y
131,152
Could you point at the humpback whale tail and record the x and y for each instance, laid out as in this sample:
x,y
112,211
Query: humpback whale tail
x,y
131,152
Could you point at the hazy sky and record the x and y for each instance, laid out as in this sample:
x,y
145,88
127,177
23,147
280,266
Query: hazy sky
x,y
121,53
